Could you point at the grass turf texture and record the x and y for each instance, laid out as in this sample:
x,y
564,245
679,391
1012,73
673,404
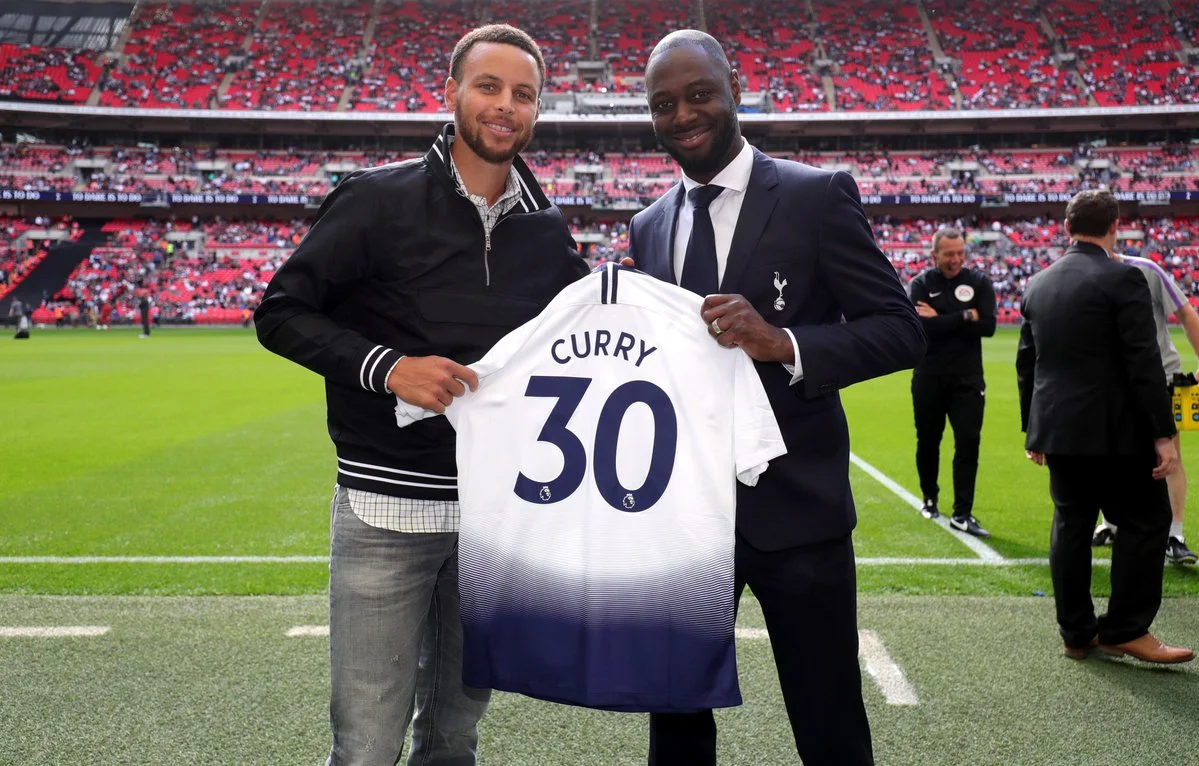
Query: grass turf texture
x,y
197,442
215,681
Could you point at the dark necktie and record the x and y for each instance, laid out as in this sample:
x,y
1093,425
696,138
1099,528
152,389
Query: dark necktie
x,y
700,273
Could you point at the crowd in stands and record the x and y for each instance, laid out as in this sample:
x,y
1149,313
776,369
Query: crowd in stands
x,y
855,55
47,74
1003,59
881,56
214,270
1126,52
611,177
302,56
774,50
177,55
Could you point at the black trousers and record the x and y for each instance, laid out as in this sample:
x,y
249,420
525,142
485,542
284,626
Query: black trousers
x,y
1124,488
961,399
809,599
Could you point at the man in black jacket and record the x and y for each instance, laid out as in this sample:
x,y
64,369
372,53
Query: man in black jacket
x,y
957,309
1093,402
411,271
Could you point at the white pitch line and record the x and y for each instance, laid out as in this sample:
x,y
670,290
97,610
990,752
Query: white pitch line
x,y
66,631
973,543
752,633
886,674
865,562
889,677
303,631
164,559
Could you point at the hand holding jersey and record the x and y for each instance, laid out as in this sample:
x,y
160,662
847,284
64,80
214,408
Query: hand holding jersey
x,y
430,382
733,321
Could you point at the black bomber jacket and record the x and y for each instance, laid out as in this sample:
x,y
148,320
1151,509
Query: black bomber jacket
x,y
397,264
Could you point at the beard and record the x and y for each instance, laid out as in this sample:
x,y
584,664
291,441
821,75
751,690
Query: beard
x,y
472,133
713,161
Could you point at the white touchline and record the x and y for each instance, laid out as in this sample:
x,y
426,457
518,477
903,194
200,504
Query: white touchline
x,y
65,631
308,630
164,560
890,679
973,543
865,562
752,633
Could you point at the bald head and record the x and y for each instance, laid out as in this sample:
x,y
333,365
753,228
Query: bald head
x,y
693,96
684,38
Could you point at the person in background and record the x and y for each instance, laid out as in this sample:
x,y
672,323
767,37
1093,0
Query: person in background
x,y
1094,406
1167,300
957,309
143,308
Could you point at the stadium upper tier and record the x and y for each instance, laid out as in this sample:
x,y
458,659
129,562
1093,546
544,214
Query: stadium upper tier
x,y
627,177
816,55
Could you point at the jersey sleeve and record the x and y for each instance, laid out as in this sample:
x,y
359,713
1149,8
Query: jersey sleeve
x,y
1171,294
757,434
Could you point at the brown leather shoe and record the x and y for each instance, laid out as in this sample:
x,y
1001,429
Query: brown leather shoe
x,y
1148,649
1080,652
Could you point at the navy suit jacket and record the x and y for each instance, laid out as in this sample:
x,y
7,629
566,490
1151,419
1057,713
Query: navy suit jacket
x,y
1088,367
851,318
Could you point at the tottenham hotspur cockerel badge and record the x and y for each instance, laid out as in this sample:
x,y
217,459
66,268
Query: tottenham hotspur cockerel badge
x,y
779,284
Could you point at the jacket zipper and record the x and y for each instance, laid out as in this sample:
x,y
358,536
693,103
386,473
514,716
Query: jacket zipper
x,y
487,241
487,254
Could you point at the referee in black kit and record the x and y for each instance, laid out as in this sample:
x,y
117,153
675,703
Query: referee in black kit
x,y
957,308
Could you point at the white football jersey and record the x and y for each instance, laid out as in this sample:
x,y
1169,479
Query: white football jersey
x,y
597,465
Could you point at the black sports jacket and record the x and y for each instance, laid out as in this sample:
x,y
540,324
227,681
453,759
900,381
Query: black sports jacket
x,y
397,264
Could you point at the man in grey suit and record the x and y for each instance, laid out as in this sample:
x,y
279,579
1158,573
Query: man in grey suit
x,y
1093,402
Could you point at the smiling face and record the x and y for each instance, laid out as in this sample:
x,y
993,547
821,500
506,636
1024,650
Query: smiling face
x,y
694,110
950,256
495,104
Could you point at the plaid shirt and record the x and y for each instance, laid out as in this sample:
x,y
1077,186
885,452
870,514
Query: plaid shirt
x,y
405,514
490,214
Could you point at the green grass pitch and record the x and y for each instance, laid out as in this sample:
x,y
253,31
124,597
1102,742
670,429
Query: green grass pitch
x,y
197,442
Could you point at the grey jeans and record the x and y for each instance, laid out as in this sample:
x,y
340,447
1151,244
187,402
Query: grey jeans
x,y
395,645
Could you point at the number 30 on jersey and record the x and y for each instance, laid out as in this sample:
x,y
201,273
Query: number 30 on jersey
x,y
569,392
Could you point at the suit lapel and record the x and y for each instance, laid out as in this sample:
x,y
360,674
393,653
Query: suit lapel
x,y
760,199
664,232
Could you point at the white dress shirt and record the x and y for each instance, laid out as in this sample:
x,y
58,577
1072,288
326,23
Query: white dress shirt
x,y
724,210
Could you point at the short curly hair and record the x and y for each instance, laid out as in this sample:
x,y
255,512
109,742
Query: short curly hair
x,y
496,33
1092,213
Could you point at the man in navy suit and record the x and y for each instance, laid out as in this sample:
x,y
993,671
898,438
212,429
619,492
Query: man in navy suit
x,y
792,275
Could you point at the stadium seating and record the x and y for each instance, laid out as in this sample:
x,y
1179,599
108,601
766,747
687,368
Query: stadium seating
x,y
772,47
177,55
620,176
47,74
217,278
393,55
881,57
1126,52
1005,61
301,57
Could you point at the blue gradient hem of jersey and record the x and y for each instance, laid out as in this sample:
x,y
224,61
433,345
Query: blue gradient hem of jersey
x,y
619,666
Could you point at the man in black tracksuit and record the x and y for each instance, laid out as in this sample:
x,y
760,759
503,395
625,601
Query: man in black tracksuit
x,y
411,271
957,308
